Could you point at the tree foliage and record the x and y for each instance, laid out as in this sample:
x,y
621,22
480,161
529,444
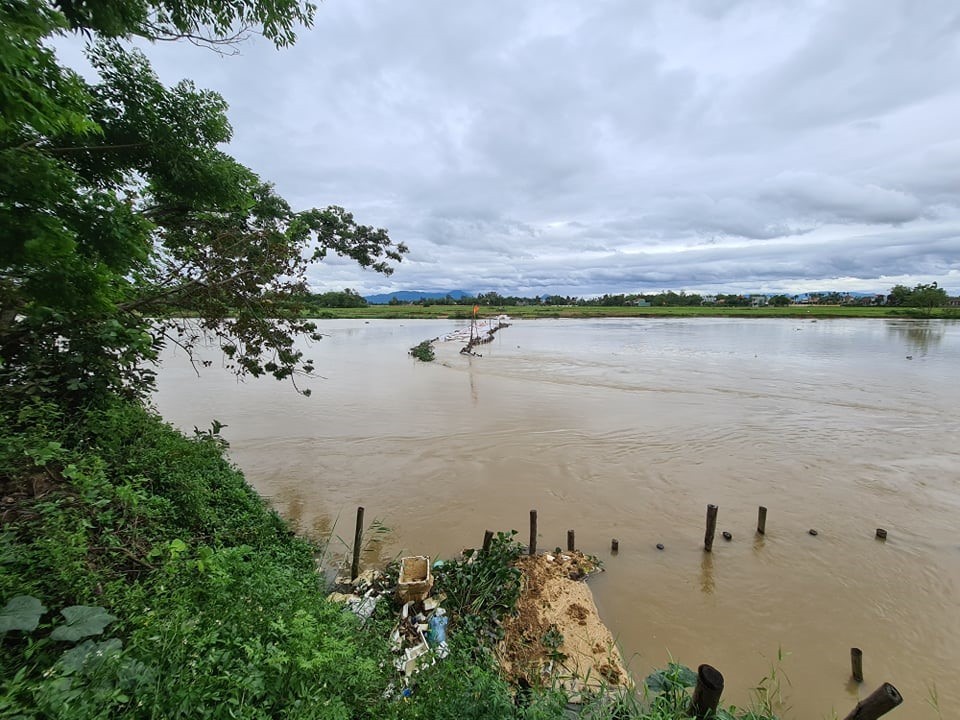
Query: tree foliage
x,y
117,205
210,22
346,298
927,296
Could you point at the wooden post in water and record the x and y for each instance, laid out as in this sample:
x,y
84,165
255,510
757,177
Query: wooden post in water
x,y
706,695
357,542
856,664
487,539
571,542
711,527
532,548
762,520
614,546
881,701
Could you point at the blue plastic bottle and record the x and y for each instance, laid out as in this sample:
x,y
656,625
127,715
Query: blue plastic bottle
x,y
438,628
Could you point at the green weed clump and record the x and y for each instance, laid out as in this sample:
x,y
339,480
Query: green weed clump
x,y
424,351
481,588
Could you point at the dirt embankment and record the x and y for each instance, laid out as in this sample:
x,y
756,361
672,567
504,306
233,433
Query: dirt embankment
x,y
557,635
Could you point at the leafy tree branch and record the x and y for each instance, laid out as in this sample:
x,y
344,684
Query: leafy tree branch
x,y
120,210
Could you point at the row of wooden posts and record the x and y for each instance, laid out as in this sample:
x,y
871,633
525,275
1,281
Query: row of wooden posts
x,y
712,511
709,687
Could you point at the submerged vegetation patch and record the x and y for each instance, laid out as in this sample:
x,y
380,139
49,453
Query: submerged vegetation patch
x,y
424,351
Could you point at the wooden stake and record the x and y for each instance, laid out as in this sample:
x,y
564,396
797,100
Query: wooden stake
x,y
706,695
884,699
357,544
532,548
711,527
762,520
487,539
571,543
881,534
856,664
614,546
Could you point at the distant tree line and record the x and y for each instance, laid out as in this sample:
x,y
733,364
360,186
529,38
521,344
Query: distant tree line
x,y
346,298
920,296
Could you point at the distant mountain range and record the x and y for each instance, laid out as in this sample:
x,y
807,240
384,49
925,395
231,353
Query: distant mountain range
x,y
414,296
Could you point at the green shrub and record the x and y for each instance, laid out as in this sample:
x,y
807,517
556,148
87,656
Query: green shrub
x,y
219,609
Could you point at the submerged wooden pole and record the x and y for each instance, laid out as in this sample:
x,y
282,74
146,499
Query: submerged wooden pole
x,y
762,520
357,542
532,548
487,539
571,542
706,695
711,527
856,664
614,546
881,701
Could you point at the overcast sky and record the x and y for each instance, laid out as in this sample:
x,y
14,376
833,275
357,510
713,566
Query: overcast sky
x,y
588,147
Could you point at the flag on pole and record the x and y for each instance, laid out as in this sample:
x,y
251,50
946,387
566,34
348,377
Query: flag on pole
x,y
476,309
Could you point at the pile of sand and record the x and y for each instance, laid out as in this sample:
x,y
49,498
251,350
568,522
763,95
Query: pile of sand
x,y
557,635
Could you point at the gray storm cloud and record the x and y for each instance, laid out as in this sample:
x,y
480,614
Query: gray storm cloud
x,y
615,146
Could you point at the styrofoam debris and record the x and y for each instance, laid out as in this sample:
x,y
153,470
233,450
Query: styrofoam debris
x,y
363,607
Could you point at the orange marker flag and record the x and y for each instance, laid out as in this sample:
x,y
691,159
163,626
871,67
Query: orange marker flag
x,y
476,309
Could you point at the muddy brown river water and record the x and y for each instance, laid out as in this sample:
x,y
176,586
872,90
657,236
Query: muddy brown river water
x,y
627,429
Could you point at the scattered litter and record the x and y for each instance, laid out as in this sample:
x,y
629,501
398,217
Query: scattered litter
x,y
438,627
431,604
416,580
413,656
367,577
363,607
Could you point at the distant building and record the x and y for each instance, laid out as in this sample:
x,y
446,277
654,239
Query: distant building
x,y
758,300
708,299
953,302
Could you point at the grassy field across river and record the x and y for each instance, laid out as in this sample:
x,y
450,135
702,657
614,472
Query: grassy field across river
x,y
577,311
